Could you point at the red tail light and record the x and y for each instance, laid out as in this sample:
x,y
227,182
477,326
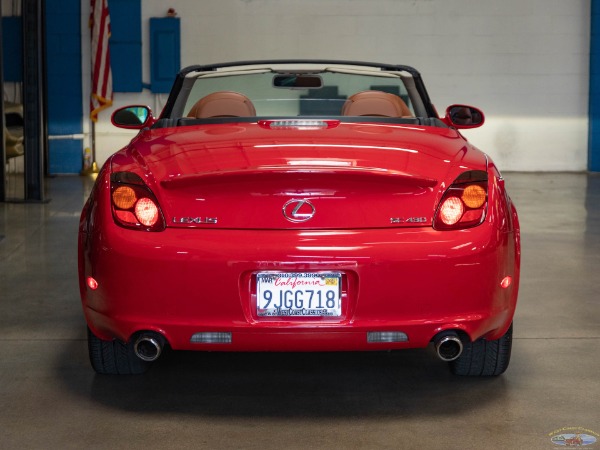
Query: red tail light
x,y
464,204
133,203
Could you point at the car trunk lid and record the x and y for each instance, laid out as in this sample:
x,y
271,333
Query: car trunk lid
x,y
245,177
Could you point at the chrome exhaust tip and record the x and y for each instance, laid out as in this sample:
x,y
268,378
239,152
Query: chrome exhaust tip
x,y
148,347
448,346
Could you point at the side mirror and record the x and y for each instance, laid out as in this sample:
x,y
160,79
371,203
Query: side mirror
x,y
463,116
133,117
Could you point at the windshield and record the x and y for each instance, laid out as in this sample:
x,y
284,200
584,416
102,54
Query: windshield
x,y
291,95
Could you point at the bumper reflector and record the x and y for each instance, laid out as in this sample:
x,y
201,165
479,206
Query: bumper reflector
x,y
386,336
92,283
506,282
211,337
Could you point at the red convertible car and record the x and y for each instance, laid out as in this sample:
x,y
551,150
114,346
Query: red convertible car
x,y
299,206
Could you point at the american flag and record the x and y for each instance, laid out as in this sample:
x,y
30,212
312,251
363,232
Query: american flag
x,y
102,93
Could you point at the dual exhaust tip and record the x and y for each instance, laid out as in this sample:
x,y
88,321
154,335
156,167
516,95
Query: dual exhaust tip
x,y
148,346
448,345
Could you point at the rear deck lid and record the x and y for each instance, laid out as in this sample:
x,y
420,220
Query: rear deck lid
x,y
244,176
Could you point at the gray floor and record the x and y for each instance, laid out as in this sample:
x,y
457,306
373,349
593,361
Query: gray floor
x,y
50,397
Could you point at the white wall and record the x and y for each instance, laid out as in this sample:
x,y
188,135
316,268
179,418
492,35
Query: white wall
x,y
524,62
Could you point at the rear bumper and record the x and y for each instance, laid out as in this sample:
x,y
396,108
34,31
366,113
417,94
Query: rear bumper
x,y
183,282
284,339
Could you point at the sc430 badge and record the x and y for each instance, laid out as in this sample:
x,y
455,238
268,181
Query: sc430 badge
x,y
395,220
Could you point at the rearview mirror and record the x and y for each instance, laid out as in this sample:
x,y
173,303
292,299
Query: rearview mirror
x,y
291,81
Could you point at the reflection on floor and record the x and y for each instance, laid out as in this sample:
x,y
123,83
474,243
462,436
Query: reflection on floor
x,y
15,180
50,398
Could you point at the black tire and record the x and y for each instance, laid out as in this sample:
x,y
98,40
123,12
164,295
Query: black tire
x,y
114,357
484,358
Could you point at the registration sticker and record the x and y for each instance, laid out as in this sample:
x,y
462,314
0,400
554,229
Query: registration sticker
x,y
302,294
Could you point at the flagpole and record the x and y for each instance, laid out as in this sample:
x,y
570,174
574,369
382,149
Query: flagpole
x,y
89,155
101,88
94,166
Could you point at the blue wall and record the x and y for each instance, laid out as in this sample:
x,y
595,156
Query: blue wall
x,y
64,85
12,49
126,45
165,56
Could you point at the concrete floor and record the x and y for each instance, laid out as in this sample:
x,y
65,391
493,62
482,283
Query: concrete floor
x,y
50,397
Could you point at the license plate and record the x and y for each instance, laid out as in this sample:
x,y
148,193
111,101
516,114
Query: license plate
x,y
299,294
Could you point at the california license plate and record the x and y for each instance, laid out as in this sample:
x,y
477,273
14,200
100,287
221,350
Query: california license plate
x,y
305,294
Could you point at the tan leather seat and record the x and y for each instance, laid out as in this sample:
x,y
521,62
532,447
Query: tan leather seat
x,y
223,104
375,103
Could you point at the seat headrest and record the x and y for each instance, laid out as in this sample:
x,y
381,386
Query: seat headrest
x,y
375,103
223,104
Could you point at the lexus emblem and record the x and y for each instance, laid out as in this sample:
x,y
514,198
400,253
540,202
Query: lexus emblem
x,y
298,211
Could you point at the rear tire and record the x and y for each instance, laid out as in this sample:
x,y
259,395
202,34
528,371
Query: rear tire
x,y
114,357
484,358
